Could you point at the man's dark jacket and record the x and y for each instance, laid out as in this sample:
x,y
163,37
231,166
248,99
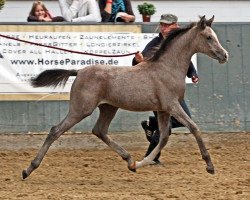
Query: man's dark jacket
x,y
147,52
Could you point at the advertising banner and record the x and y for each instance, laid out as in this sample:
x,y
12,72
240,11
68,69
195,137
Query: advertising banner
x,y
19,61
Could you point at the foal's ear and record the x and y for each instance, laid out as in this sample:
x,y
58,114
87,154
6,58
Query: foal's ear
x,y
202,22
210,21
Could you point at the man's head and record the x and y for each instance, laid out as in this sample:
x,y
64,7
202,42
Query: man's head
x,y
168,19
168,22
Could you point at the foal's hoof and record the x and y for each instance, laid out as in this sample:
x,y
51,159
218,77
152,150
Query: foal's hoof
x,y
210,170
132,170
132,167
24,174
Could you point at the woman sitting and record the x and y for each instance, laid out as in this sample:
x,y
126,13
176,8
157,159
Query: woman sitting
x,y
116,11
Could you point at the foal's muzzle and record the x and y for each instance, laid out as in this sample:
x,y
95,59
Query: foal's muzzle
x,y
223,58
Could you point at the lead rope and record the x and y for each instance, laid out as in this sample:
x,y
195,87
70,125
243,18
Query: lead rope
x,y
67,50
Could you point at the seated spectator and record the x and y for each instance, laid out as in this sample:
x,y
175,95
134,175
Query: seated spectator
x,y
116,11
80,10
39,13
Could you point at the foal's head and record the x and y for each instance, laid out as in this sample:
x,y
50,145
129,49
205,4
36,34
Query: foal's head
x,y
202,38
206,41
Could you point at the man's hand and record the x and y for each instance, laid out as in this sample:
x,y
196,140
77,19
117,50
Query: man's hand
x,y
138,57
195,79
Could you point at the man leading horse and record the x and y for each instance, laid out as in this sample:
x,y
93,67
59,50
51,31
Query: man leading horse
x,y
167,23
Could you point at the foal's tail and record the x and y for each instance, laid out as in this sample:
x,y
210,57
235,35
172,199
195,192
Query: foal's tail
x,y
53,77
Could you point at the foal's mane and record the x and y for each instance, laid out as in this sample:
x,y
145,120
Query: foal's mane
x,y
165,43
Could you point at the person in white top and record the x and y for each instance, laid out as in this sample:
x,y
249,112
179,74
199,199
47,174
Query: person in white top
x,y
80,10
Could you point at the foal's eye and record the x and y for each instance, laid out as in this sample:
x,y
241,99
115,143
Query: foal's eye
x,y
209,37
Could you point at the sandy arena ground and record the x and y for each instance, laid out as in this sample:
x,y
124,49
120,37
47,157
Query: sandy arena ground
x,y
79,166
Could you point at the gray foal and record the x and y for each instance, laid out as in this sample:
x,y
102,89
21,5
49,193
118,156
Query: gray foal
x,y
110,88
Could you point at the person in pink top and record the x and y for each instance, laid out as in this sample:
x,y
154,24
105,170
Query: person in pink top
x,y
39,13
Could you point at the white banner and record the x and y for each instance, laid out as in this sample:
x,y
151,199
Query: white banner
x,y
20,61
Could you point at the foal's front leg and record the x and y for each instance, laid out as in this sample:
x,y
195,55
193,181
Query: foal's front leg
x,y
182,117
163,122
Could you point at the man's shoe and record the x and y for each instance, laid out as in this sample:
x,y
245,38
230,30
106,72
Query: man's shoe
x,y
157,132
145,126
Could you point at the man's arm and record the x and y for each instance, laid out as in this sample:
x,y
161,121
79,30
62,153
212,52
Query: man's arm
x,y
147,50
191,70
192,73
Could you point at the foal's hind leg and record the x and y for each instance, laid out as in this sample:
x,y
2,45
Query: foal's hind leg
x,y
163,121
183,118
54,134
77,112
107,113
